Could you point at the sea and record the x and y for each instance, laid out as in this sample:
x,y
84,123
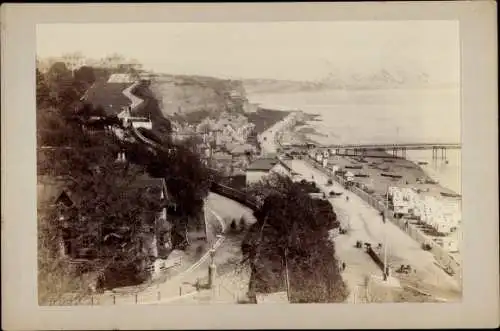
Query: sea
x,y
383,116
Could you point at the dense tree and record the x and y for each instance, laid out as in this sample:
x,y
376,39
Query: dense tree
x,y
43,97
85,74
292,229
111,213
103,220
59,73
56,283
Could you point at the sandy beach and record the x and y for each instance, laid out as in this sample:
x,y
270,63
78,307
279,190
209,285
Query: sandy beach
x,y
364,223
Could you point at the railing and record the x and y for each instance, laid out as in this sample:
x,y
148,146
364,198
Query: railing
x,y
235,195
388,146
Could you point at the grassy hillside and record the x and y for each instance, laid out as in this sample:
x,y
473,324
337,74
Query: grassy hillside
x,y
193,98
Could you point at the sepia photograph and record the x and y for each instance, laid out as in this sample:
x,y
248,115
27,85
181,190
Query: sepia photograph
x,y
274,166
181,166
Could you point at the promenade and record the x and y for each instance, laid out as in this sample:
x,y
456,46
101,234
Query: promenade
x,y
364,223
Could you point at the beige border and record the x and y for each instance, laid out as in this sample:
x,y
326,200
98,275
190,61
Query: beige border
x,y
480,304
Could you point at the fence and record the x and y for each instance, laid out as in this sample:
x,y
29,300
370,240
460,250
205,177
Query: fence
x,y
235,195
172,287
445,260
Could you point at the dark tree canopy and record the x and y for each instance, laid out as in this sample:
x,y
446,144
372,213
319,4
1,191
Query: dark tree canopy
x,y
294,227
85,74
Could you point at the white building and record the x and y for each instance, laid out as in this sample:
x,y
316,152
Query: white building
x,y
325,162
134,121
349,176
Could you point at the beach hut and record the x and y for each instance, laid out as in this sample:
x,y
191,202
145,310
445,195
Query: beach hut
x,y
325,162
448,244
349,176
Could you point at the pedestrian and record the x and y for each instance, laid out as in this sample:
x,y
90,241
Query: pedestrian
x,y
343,266
346,198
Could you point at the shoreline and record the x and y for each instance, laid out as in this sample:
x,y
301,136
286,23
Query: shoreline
x,y
406,167
376,163
361,218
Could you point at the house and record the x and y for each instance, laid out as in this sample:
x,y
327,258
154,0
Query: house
x,y
156,240
265,166
222,162
349,176
238,150
243,154
136,122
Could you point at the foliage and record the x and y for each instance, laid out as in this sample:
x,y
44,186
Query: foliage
x,y
85,74
43,96
56,284
103,220
188,180
294,227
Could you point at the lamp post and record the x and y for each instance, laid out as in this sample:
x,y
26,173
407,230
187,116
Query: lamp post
x,y
287,281
384,220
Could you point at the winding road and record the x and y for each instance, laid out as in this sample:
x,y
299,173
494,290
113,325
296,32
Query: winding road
x,y
219,213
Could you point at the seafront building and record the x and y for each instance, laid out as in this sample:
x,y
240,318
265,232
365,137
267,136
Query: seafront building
x,y
265,166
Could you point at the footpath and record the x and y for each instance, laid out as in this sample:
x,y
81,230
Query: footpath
x,y
182,282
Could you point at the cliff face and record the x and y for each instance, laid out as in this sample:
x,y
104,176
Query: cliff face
x,y
193,98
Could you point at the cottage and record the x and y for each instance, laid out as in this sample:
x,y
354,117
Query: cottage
x,y
265,166
156,241
349,176
243,149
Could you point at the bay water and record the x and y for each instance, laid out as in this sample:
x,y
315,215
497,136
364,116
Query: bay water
x,y
383,116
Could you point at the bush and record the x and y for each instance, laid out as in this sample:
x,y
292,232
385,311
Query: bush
x,y
242,223
233,225
426,247
200,250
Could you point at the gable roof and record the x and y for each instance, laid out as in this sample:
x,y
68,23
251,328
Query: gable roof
x,y
222,156
263,164
54,190
266,164
242,149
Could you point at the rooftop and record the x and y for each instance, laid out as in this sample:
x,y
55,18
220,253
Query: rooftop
x,y
108,95
266,163
242,149
263,164
222,156
51,189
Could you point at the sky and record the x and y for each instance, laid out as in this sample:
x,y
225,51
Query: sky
x,y
276,50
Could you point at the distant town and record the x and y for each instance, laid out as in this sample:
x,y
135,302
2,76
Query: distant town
x,y
159,188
